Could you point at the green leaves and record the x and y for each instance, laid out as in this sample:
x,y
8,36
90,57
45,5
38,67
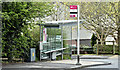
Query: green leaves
x,y
16,16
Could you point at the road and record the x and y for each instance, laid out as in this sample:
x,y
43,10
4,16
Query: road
x,y
115,64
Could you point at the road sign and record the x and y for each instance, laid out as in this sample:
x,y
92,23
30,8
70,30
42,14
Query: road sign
x,y
73,10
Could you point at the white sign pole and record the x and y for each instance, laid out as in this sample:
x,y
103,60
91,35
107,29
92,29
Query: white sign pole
x,y
78,44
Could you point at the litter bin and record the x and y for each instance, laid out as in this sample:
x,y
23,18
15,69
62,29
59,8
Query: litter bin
x,y
32,54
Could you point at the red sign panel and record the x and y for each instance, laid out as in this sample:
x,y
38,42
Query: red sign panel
x,y
74,15
73,10
73,6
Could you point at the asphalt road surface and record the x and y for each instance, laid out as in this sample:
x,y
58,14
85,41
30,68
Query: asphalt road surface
x,y
115,64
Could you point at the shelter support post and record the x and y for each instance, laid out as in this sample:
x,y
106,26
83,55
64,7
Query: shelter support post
x,y
62,39
51,43
40,43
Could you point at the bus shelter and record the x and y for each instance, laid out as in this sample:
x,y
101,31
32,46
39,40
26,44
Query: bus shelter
x,y
51,45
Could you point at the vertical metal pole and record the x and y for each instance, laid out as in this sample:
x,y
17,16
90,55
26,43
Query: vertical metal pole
x,y
62,39
40,43
78,44
55,38
71,43
50,44
55,46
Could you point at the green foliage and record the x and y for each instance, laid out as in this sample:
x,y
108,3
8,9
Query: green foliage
x,y
58,58
85,47
66,57
105,48
53,31
67,52
16,35
35,33
93,40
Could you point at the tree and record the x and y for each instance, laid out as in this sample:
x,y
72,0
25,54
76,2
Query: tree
x,y
16,39
93,40
99,17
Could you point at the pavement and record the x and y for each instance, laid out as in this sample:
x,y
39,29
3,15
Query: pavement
x,y
91,57
115,64
113,60
61,64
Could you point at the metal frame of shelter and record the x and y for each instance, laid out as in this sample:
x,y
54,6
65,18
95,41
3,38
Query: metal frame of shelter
x,y
55,24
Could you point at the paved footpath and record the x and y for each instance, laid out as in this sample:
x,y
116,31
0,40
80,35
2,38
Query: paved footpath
x,y
113,60
115,64
55,65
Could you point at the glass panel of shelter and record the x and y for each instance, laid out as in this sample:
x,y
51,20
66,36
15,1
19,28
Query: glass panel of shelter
x,y
53,42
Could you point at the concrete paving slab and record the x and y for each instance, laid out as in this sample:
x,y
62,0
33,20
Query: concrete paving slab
x,y
91,57
113,59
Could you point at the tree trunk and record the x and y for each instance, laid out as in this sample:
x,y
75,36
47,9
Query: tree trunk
x,y
102,41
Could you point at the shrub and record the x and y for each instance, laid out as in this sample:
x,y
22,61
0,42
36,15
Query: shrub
x,y
104,48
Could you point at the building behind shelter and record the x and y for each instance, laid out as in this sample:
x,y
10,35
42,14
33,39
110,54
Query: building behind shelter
x,y
85,36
